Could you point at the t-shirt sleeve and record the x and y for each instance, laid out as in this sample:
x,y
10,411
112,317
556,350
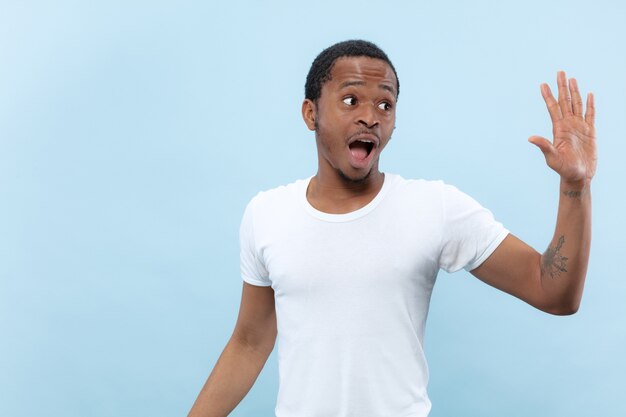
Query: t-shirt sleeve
x,y
253,270
470,232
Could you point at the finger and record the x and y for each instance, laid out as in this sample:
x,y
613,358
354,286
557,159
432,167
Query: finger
x,y
577,101
553,106
565,101
590,115
545,146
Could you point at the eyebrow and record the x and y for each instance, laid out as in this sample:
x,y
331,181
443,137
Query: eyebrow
x,y
351,83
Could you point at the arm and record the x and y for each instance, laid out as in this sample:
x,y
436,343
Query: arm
x,y
243,358
554,281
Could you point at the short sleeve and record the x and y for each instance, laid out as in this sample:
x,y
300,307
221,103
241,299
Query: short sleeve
x,y
470,232
253,270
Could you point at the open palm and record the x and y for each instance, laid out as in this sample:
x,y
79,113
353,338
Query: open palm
x,y
572,153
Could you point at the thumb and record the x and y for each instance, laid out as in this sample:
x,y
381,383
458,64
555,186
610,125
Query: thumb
x,y
545,146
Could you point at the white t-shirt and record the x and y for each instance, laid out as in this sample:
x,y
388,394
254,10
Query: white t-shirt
x,y
352,290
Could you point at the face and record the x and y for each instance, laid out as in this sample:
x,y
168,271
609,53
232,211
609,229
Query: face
x,y
354,117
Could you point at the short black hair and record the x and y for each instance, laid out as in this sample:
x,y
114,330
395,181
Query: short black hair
x,y
323,64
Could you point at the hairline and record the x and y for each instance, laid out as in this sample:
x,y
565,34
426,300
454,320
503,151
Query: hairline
x,y
329,77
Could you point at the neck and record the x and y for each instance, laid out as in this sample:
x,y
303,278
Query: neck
x,y
338,194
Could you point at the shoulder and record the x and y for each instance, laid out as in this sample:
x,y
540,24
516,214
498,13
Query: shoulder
x,y
434,195
421,188
277,198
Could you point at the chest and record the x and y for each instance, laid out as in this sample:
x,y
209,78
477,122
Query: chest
x,y
372,255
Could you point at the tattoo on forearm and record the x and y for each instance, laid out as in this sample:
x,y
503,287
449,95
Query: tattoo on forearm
x,y
553,263
573,194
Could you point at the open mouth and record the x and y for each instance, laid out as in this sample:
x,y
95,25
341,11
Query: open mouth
x,y
361,149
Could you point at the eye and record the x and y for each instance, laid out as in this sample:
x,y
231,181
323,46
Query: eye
x,y
350,101
385,106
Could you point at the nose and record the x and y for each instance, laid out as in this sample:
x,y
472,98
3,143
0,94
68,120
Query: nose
x,y
368,116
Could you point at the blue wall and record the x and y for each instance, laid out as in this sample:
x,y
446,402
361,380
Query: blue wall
x,y
132,136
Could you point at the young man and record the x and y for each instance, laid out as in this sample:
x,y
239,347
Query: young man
x,y
341,266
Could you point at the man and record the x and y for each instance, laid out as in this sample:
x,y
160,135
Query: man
x,y
341,266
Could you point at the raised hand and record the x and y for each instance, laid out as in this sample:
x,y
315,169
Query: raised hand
x,y
572,153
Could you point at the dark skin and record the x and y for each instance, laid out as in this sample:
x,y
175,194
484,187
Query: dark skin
x,y
361,97
358,102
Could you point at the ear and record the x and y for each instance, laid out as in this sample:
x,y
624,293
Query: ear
x,y
309,113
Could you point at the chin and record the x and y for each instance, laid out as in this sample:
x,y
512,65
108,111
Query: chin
x,y
355,179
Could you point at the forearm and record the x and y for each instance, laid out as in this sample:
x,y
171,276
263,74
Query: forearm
x,y
232,377
564,263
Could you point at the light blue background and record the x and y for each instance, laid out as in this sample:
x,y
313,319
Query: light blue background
x,y
132,134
